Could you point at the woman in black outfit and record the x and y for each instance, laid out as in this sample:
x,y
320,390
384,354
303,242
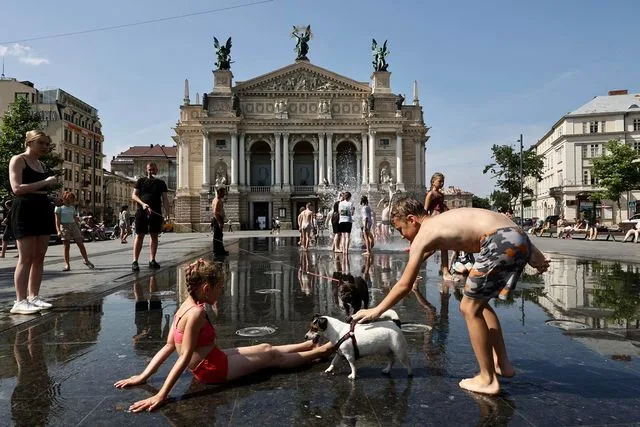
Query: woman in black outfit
x,y
335,218
32,220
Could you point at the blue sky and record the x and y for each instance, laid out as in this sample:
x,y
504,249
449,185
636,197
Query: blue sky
x,y
487,71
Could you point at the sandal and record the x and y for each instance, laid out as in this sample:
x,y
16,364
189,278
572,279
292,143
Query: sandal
x,y
89,264
66,268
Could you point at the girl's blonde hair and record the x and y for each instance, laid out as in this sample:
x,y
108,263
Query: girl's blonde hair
x,y
201,272
437,175
35,135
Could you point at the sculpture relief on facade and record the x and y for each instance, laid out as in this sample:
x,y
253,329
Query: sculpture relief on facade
x,y
385,176
219,105
302,81
195,149
281,108
220,174
324,109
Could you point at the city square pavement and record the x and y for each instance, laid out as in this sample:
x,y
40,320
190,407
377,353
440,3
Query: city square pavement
x,y
59,368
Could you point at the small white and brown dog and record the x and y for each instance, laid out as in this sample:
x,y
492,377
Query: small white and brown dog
x,y
352,341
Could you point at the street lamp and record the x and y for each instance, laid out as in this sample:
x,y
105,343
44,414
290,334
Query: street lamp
x,y
521,186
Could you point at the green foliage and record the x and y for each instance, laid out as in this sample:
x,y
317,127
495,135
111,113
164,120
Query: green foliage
x,y
616,171
481,202
506,169
500,199
617,290
19,119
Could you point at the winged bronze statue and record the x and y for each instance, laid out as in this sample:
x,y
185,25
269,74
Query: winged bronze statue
x,y
379,56
223,53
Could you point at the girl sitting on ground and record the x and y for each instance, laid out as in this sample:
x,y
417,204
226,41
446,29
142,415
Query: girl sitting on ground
x,y
193,337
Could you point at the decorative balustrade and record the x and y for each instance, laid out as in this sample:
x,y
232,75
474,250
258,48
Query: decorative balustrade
x,y
260,189
304,189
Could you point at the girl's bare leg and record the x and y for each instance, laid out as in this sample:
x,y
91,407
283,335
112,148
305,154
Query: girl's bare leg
x,y
241,364
35,274
26,254
65,252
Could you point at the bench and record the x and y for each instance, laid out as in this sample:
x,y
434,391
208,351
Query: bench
x,y
603,233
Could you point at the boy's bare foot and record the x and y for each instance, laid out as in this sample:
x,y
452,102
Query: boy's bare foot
x,y
478,385
504,369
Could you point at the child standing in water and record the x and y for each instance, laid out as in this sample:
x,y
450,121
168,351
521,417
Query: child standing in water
x,y
193,337
503,251
367,225
67,224
305,223
434,205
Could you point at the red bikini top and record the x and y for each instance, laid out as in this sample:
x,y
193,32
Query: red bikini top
x,y
207,334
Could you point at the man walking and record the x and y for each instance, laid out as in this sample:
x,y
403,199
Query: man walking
x,y
150,193
217,221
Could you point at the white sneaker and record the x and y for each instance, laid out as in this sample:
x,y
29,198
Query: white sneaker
x,y
40,303
24,307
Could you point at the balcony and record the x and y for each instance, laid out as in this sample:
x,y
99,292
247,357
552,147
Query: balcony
x,y
260,189
304,189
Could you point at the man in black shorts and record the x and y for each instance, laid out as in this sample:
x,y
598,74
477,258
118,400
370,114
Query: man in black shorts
x,y
150,193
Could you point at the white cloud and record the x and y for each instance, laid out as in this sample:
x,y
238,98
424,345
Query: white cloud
x,y
25,54
33,60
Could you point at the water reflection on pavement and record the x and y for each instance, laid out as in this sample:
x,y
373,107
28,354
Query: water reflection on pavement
x,y
585,371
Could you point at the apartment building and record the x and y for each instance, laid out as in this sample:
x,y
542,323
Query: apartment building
x,y
76,133
569,148
117,193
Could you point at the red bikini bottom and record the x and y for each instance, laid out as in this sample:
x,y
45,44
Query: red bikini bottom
x,y
213,368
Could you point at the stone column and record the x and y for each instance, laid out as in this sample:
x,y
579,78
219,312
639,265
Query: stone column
x,y
248,166
365,161
321,158
241,164
399,180
372,157
185,161
358,168
206,172
330,157
273,168
180,165
418,162
234,158
278,160
423,166
315,169
285,163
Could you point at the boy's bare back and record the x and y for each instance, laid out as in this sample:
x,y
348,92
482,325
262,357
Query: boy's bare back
x,y
459,229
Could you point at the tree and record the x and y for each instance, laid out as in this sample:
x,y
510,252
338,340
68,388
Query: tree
x,y
19,119
615,171
480,202
506,168
500,199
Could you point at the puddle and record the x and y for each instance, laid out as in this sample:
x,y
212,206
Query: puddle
x,y
256,331
567,325
415,327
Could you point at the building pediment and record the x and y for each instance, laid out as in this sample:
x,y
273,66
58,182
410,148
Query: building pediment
x,y
301,77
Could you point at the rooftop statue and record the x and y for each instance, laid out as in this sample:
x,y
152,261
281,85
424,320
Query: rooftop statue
x,y
223,53
379,56
303,34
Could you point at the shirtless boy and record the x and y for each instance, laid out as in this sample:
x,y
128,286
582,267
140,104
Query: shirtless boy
x,y
504,250
305,223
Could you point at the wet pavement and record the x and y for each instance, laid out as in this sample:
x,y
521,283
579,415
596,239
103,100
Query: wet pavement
x,y
572,334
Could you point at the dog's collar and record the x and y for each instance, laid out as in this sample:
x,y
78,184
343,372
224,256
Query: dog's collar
x,y
348,335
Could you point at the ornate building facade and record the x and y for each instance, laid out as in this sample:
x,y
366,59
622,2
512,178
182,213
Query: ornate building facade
x,y
298,134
